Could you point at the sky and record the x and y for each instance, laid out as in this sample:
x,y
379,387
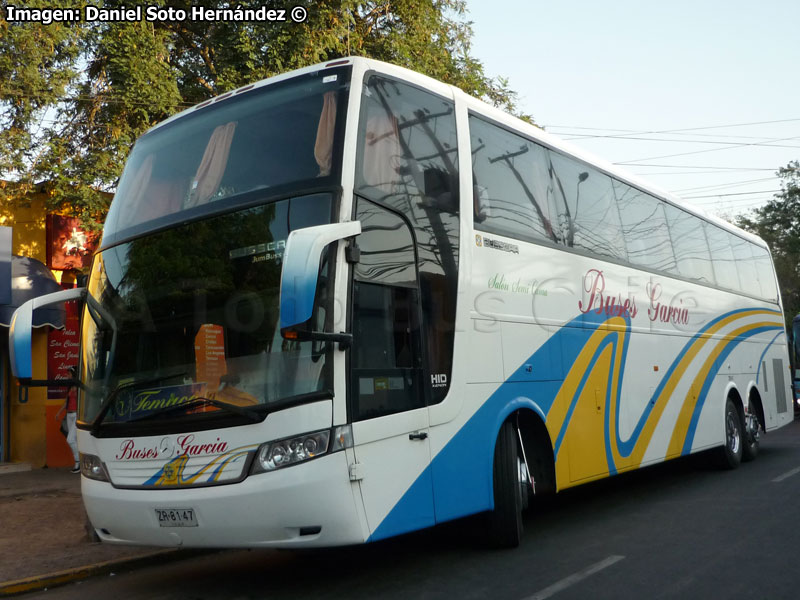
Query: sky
x,y
707,90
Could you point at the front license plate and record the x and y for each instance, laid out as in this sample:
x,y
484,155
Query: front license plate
x,y
176,517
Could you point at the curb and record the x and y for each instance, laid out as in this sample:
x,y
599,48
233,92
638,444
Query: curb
x,y
9,468
59,578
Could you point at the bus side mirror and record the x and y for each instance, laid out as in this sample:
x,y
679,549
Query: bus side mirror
x,y
301,268
20,334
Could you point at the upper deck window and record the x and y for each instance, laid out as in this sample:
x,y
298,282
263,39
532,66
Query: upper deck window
x,y
283,135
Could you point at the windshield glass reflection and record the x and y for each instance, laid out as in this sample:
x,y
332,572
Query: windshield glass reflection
x,y
192,313
286,134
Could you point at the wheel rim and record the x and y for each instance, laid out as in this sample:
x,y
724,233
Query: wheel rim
x,y
522,481
752,426
734,438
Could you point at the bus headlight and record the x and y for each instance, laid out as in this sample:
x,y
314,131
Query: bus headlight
x,y
290,451
92,467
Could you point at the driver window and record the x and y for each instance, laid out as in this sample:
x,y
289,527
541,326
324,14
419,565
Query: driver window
x,y
385,352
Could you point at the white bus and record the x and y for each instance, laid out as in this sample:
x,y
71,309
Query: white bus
x,y
350,302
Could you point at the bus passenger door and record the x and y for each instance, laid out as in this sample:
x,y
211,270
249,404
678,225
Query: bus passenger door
x,y
386,399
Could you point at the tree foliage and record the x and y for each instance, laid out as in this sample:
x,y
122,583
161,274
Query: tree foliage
x,y
74,96
778,223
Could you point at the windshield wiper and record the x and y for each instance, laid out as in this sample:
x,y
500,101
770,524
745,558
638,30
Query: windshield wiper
x,y
202,401
101,414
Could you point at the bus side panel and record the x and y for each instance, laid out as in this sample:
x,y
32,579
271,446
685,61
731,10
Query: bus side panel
x,y
618,386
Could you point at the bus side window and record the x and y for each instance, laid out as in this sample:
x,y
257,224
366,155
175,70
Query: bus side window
x,y
508,197
692,253
719,241
644,227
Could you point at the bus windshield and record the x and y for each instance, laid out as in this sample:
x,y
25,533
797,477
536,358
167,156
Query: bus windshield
x,y
189,316
282,137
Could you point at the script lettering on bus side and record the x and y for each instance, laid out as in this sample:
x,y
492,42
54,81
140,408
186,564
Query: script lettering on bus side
x,y
658,311
603,302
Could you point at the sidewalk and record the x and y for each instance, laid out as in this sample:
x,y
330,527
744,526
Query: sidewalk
x,y
43,535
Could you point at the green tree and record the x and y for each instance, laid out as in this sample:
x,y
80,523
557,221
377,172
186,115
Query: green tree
x,y
37,66
74,96
778,223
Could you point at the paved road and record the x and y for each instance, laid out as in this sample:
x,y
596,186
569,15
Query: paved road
x,y
679,530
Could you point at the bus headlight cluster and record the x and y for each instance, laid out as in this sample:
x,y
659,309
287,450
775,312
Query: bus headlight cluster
x,y
290,451
92,467
294,450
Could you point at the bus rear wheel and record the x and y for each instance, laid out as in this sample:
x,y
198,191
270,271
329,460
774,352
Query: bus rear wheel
x,y
751,438
730,455
510,490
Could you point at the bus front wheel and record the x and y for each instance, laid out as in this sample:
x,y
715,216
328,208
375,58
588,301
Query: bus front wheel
x,y
505,521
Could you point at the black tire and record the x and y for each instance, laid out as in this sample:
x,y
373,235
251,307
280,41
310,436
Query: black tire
x,y
750,441
505,521
730,454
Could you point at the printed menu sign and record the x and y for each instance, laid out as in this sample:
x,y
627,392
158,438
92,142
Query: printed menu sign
x,y
62,350
209,352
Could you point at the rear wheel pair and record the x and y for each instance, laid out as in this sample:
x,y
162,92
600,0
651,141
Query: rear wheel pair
x,y
741,440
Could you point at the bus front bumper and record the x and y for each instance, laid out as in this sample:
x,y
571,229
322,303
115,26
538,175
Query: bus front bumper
x,y
307,505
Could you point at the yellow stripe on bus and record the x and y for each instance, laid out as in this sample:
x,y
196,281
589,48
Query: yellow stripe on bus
x,y
681,428
579,422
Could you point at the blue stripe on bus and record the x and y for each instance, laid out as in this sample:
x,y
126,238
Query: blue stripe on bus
x,y
701,397
627,447
761,358
612,469
463,478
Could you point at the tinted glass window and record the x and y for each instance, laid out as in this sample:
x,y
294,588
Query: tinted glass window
x,y
387,248
408,160
587,210
194,311
689,244
719,241
510,192
385,362
745,267
280,135
765,273
644,227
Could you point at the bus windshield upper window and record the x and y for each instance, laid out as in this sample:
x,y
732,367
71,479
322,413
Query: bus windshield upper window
x,y
282,135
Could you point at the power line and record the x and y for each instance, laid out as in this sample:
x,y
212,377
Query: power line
x,y
686,128
743,145
725,185
629,132
691,172
649,139
743,201
707,167
733,194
